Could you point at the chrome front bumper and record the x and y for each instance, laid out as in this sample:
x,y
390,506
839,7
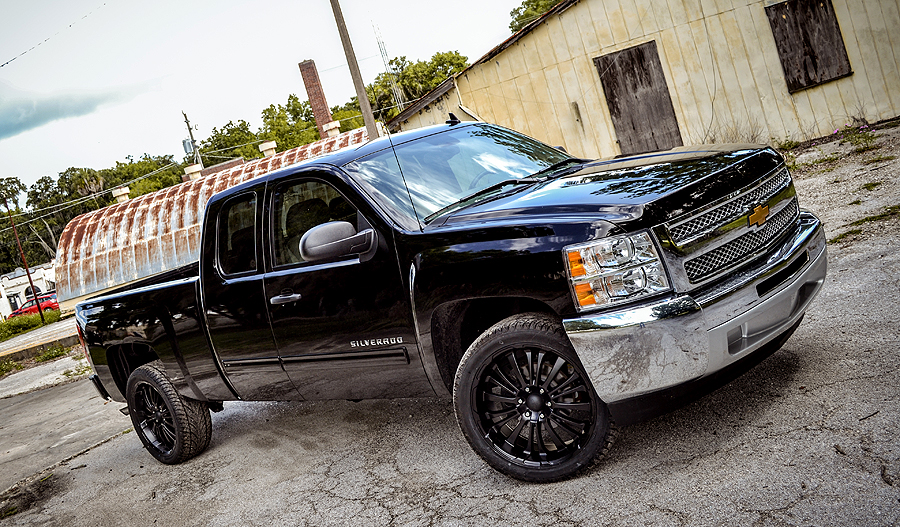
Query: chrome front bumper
x,y
680,338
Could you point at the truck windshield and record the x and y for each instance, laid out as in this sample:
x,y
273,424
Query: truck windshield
x,y
449,167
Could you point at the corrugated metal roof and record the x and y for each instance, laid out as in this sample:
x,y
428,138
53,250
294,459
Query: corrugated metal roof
x,y
156,232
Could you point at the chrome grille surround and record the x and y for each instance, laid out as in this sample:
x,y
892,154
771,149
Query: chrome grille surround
x,y
718,239
760,192
727,255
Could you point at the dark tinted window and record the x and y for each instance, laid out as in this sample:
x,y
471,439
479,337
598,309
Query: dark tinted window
x,y
440,169
300,206
237,235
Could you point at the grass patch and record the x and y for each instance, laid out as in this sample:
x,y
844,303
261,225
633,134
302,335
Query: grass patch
x,y
855,202
792,164
871,186
8,366
862,137
787,144
840,237
823,160
51,353
878,159
84,369
17,325
889,212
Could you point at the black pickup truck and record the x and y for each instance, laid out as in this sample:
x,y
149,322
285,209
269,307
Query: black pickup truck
x,y
552,297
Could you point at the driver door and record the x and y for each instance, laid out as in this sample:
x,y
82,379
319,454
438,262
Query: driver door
x,y
343,325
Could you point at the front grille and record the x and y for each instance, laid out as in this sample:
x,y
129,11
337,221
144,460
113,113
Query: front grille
x,y
728,255
730,210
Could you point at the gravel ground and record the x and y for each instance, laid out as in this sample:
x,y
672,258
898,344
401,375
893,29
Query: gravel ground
x,y
809,437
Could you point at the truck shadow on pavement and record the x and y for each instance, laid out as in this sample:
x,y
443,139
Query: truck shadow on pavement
x,y
720,418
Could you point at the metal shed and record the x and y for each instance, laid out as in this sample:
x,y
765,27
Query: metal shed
x,y
153,233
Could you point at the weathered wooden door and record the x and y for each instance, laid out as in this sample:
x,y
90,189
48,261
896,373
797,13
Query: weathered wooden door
x,y
638,99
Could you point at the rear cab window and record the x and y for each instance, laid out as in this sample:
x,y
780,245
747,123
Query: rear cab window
x,y
236,237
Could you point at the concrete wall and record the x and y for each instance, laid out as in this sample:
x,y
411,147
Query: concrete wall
x,y
720,62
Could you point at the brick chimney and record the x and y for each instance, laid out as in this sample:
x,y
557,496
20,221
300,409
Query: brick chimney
x,y
317,101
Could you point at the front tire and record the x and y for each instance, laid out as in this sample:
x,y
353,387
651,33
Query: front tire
x,y
525,403
172,428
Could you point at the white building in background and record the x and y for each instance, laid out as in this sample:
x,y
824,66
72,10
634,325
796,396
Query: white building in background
x,y
14,286
609,77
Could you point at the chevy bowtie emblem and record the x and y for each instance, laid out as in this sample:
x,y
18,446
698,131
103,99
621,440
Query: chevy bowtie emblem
x,y
759,215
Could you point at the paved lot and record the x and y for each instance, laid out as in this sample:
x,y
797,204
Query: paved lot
x,y
44,427
809,437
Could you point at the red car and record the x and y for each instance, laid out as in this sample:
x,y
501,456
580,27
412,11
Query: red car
x,y
47,303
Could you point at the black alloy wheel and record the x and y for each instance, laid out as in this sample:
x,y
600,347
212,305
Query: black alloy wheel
x,y
172,428
156,420
525,403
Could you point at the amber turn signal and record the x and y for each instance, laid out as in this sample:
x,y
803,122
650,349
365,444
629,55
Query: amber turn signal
x,y
585,294
576,264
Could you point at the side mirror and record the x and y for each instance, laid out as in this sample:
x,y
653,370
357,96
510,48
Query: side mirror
x,y
335,239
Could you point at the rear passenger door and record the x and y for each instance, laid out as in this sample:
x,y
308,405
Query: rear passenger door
x,y
343,326
234,301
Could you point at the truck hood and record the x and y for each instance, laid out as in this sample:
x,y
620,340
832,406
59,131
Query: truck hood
x,y
632,192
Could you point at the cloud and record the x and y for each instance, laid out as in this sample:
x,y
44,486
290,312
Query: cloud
x,y
20,112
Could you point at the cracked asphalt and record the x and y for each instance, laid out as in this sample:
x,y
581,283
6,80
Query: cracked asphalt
x,y
809,437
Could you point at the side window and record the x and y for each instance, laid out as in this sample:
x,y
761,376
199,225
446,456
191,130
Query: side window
x,y
236,243
300,206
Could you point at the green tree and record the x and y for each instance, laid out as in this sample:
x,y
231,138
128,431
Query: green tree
x,y
45,200
349,115
414,79
290,125
10,188
231,141
135,174
529,11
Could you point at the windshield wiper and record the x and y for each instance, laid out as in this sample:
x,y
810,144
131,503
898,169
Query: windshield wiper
x,y
471,197
560,164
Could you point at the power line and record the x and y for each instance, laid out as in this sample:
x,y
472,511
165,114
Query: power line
x,y
76,202
51,36
92,196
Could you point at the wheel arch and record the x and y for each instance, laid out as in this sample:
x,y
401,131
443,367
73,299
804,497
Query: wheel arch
x,y
125,358
455,325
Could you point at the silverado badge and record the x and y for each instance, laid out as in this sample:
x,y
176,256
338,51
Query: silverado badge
x,y
759,215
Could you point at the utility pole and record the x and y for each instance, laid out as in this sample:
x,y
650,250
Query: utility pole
x,y
24,261
364,106
197,159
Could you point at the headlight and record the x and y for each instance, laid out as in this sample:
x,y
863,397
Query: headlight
x,y
613,270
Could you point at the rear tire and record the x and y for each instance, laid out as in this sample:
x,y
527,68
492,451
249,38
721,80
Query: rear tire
x,y
525,403
172,428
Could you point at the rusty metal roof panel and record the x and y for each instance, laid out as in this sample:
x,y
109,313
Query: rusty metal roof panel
x,y
156,232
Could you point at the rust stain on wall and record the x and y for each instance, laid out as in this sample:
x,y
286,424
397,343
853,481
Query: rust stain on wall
x,y
156,232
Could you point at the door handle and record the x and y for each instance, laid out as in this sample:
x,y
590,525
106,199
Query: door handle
x,y
284,298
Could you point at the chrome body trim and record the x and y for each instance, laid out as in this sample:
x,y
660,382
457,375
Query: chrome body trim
x,y
667,341
715,231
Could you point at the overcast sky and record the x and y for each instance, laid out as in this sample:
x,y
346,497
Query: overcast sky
x,y
110,79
